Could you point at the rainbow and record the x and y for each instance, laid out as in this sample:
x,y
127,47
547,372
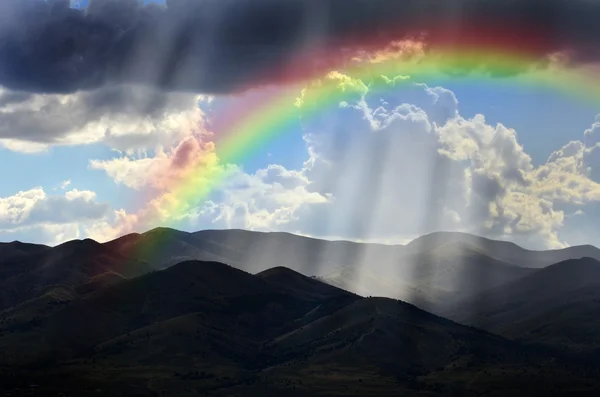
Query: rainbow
x,y
478,56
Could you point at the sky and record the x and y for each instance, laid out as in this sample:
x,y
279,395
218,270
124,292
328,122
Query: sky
x,y
152,122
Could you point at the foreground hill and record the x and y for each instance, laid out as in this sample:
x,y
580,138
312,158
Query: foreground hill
x,y
230,298
208,328
558,305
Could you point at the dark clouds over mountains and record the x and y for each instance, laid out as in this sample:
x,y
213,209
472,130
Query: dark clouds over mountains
x,y
220,46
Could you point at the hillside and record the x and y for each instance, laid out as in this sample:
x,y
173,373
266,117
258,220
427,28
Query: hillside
x,y
434,271
208,328
298,285
249,251
27,276
430,271
555,305
432,279
503,250
17,249
189,287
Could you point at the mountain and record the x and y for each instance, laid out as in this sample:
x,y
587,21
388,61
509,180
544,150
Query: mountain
x,y
164,247
17,249
433,270
212,288
432,279
459,269
210,329
558,305
250,251
300,286
28,275
503,250
142,315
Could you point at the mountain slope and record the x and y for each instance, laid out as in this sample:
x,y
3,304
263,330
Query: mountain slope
x,y
504,250
249,251
434,279
556,305
69,264
462,267
164,247
208,328
229,299
296,284
433,271
17,249
422,273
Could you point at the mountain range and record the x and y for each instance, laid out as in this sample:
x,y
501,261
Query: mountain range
x,y
430,271
241,313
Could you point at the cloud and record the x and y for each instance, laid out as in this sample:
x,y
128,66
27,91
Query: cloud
x,y
572,173
42,234
223,46
405,163
190,189
172,183
35,216
378,158
126,118
34,206
190,160
273,198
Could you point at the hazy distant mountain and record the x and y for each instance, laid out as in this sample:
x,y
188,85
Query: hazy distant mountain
x,y
250,251
255,251
432,270
163,247
457,269
558,305
208,328
504,250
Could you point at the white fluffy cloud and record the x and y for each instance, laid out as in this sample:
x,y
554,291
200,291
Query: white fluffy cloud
x,y
35,207
34,215
271,199
42,234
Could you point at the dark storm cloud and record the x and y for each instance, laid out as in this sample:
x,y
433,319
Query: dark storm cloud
x,y
222,45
